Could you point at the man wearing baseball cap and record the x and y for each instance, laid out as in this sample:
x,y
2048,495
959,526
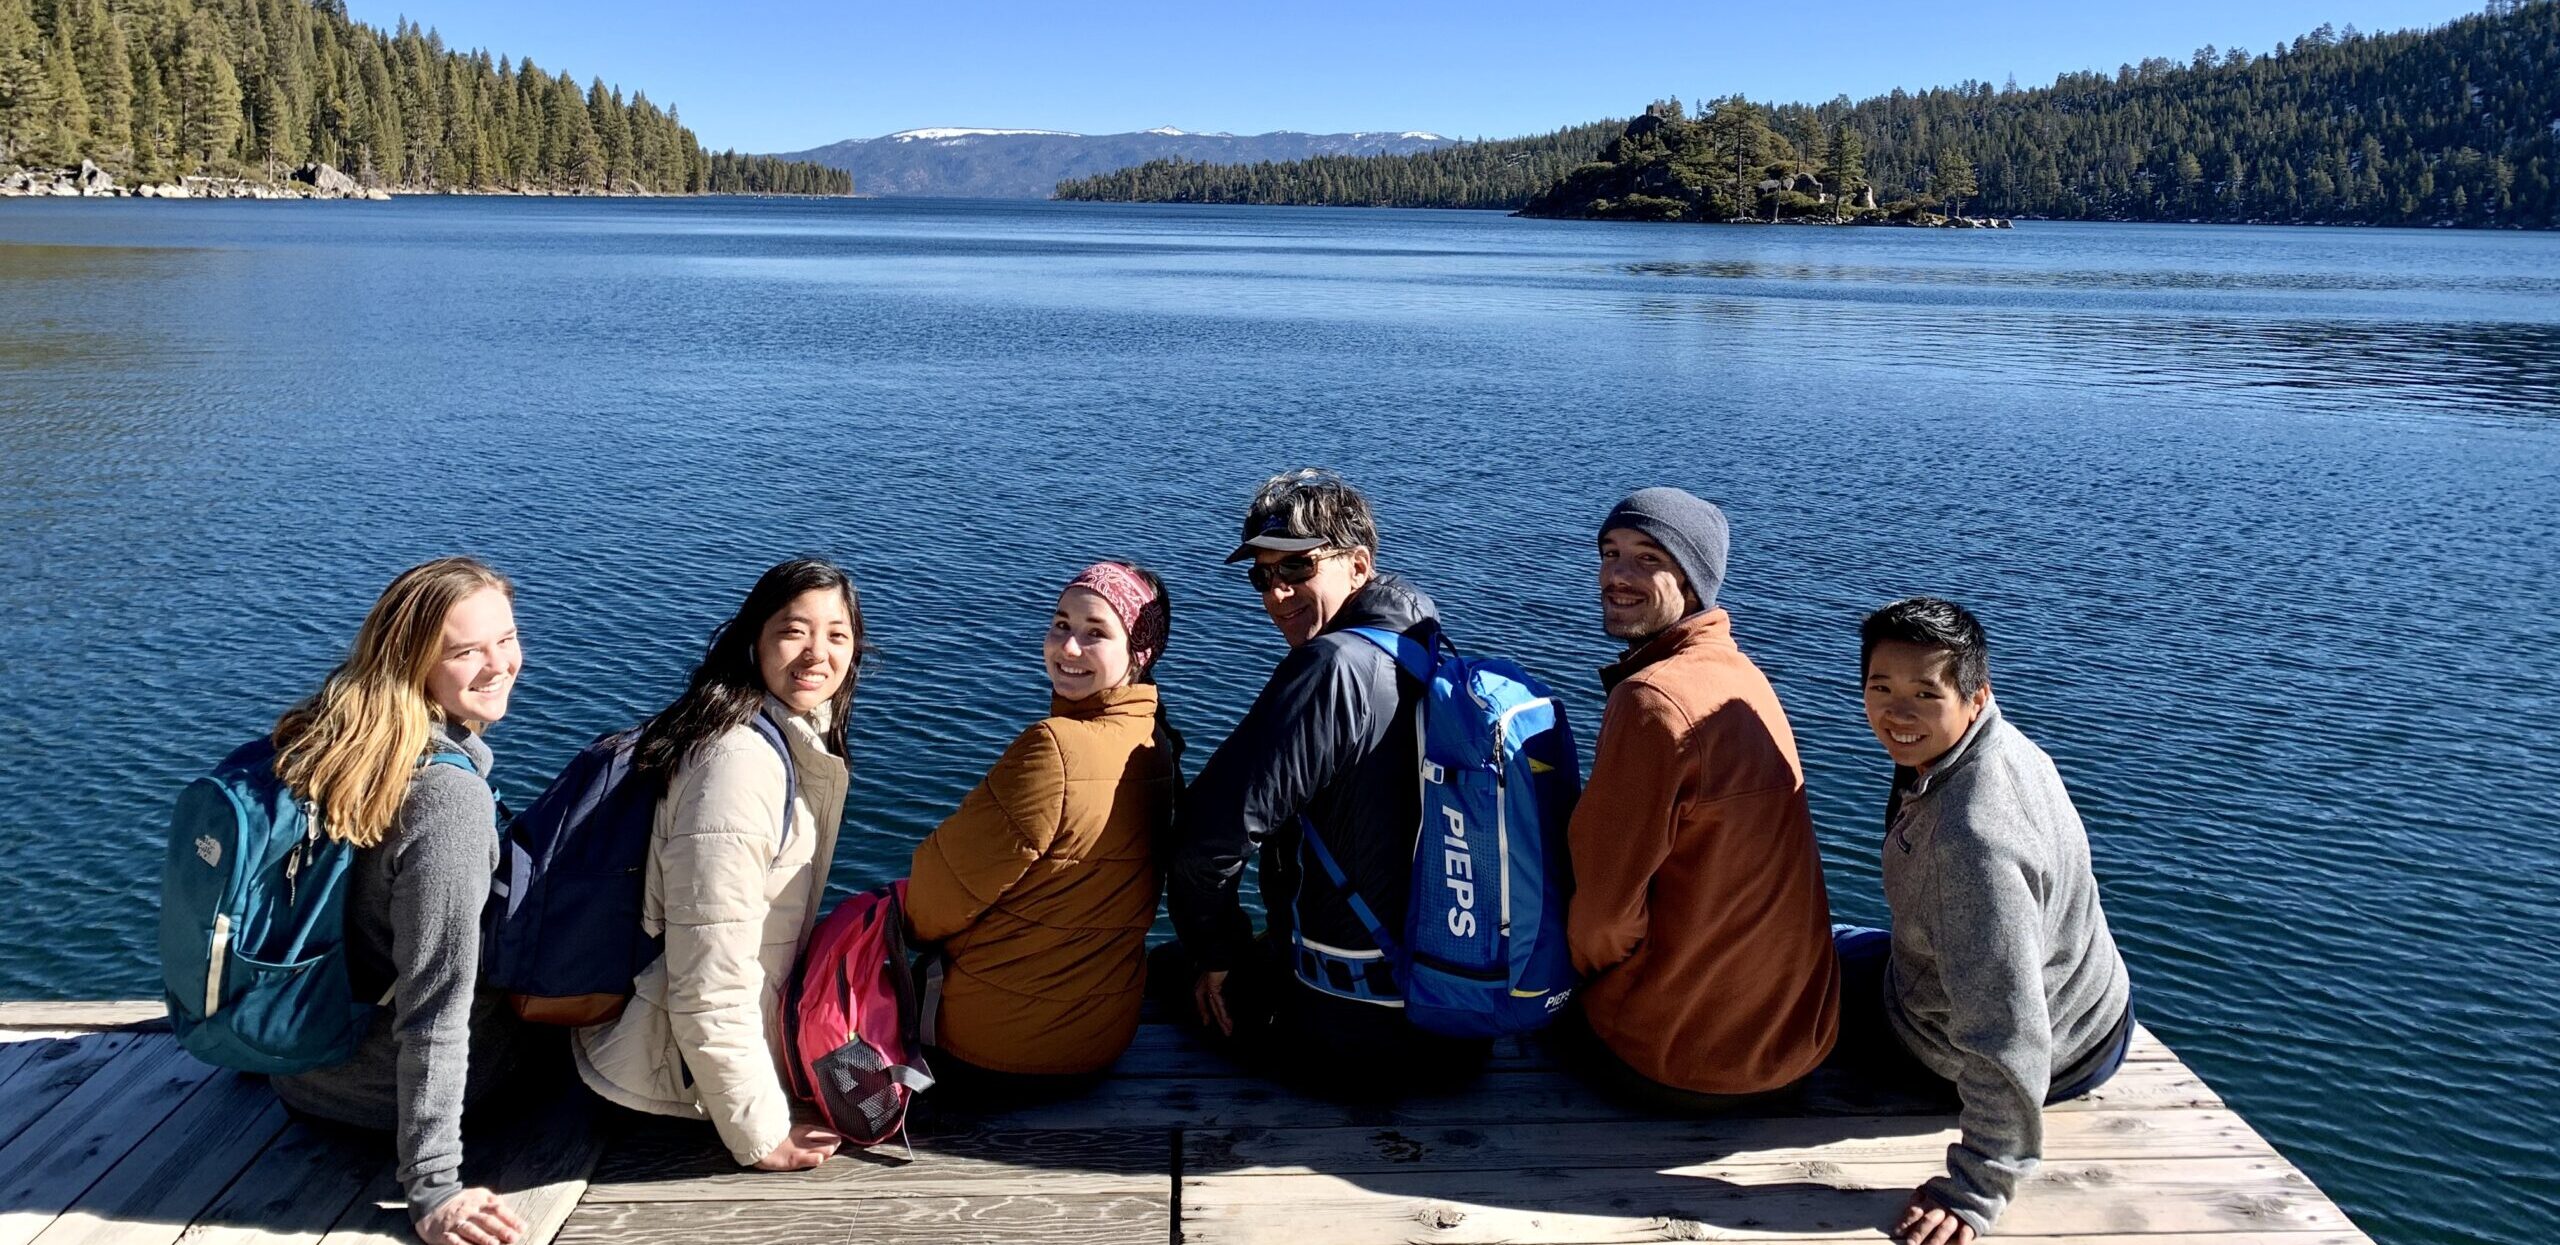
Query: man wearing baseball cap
x,y
1333,743
1699,914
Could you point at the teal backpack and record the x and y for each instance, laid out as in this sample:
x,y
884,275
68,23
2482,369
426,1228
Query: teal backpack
x,y
253,901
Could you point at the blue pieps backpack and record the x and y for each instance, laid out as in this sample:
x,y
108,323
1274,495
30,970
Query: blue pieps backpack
x,y
1483,950
253,900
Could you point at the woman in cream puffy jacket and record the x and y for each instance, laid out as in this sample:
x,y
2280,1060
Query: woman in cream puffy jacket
x,y
735,877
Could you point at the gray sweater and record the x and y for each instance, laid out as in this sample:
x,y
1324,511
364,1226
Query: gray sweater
x,y
413,932
2002,971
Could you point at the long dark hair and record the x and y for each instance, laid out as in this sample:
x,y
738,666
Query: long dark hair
x,y
727,690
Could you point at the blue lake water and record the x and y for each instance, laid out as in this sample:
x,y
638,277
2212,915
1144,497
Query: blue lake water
x,y
2265,524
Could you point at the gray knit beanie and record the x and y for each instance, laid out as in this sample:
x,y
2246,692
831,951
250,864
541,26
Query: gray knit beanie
x,y
1690,529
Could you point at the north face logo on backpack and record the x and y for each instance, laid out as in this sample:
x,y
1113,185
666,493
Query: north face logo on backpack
x,y
209,850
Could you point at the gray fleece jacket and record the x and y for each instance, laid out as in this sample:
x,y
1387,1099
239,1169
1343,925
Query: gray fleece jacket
x,y
413,932
2003,971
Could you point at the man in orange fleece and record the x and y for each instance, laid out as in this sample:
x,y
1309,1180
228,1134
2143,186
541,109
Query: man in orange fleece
x,y
1699,914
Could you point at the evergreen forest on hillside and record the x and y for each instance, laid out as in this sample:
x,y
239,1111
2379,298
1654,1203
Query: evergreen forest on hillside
x,y
2455,125
1500,173
161,89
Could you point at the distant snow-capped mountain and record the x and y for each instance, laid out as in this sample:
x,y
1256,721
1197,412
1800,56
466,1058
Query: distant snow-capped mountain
x,y
961,162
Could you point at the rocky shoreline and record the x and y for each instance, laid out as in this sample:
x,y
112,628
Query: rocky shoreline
x,y
311,181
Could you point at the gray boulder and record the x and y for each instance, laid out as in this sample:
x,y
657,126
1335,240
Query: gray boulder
x,y
93,181
327,180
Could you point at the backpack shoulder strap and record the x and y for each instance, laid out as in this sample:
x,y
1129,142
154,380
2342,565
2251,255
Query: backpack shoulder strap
x,y
772,732
1342,882
1412,656
455,759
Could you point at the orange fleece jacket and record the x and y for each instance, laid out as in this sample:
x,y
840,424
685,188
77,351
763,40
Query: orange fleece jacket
x,y
1698,910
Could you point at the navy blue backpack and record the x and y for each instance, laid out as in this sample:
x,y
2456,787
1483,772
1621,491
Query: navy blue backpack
x,y
253,903
562,933
1483,950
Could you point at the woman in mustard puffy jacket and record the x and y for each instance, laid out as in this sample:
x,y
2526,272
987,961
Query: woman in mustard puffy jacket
x,y
1041,888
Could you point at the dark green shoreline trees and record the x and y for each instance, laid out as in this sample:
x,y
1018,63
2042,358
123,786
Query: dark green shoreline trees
x,y
1499,173
159,89
2457,125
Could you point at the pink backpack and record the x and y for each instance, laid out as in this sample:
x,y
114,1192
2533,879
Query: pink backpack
x,y
853,1019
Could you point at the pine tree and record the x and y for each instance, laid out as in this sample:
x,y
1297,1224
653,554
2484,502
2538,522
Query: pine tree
x,y
613,133
1951,182
210,107
152,126
106,74
1846,170
582,156
26,97
67,138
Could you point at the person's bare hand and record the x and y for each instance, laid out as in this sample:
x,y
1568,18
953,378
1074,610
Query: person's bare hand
x,y
474,1216
1924,1222
1209,994
806,1147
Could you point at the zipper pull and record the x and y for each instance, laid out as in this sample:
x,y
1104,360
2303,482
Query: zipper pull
x,y
300,855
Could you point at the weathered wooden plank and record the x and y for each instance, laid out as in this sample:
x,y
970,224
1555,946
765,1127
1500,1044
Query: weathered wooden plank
x,y
2147,1047
153,1193
49,1074
681,1164
292,1193
121,1013
2342,1236
2147,1086
537,1162
990,1220
1673,1143
1721,1201
1166,1051
1510,1097
17,1049
55,1160
540,1163
378,1216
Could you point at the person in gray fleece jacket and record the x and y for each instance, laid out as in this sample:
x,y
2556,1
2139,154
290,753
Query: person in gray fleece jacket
x,y
420,877
1999,980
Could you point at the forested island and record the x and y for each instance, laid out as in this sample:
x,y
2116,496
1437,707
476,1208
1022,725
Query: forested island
x,y
218,96
2457,125
1487,173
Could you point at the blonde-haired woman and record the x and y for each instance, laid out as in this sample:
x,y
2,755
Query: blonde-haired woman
x,y
375,752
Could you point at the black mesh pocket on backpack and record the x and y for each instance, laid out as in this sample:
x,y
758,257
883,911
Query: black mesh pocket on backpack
x,y
854,1084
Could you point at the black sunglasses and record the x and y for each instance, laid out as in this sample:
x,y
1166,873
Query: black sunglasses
x,y
1293,570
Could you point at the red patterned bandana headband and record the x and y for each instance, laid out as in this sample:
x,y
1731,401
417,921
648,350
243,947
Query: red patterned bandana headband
x,y
1141,611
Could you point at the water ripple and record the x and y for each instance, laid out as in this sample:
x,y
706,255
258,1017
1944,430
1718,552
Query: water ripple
x,y
2260,520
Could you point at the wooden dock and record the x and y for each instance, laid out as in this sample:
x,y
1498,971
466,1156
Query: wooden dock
x,y
110,1133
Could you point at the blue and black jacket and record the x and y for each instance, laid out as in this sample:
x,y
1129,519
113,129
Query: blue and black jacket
x,y
1332,738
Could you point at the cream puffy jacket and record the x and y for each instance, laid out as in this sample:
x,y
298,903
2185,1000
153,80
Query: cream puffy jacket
x,y
703,1037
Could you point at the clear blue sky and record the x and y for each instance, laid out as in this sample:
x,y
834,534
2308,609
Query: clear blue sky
x,y
780,75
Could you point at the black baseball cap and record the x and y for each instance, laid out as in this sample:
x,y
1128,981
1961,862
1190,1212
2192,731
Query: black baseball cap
x,y
1270,530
